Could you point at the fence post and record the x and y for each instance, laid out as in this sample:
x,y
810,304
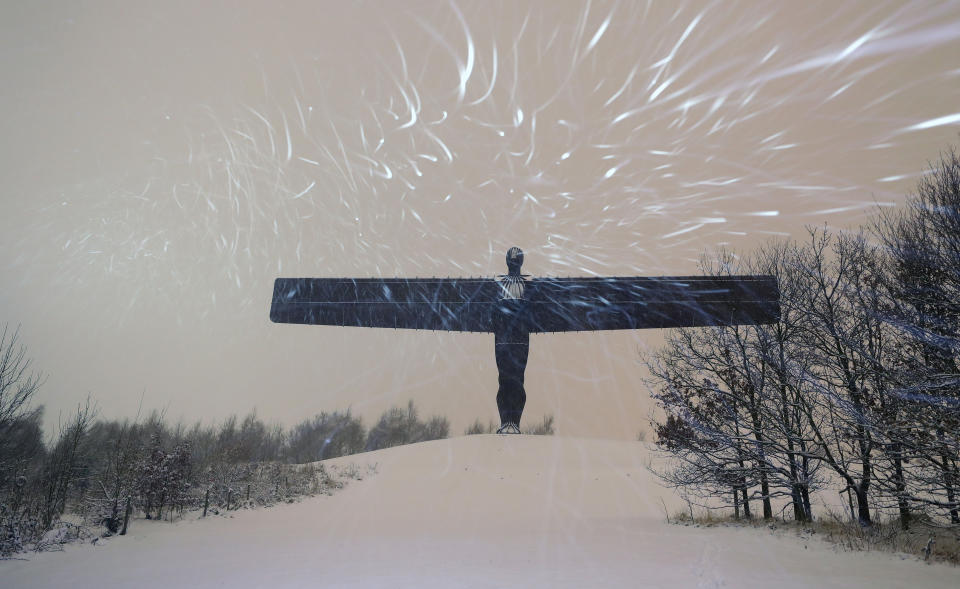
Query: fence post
x,y
248,492
229,497
206,502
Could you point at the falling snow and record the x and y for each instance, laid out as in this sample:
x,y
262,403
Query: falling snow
x,y
603,138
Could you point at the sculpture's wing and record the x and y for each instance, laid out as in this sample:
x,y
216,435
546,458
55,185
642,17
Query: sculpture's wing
x,y
445,304
591,304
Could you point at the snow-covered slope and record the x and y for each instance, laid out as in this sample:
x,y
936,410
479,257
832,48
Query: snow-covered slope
x,y
478,511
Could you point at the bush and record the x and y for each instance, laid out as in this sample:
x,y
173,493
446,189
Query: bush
x,y
327,435
397,427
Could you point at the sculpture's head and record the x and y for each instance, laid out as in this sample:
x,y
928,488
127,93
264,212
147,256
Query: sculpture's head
x,y
514,260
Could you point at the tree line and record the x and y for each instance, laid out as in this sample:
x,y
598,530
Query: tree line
x,y
856,388
101,472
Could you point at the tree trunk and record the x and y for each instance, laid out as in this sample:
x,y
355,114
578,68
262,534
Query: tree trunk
x,y
807,510
863,506
949,476
797,502
762,463
901,487
795,496
805,487
126,518
113,523
765,490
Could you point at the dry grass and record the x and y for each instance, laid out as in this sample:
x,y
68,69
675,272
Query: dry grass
x,y
923,540
544,428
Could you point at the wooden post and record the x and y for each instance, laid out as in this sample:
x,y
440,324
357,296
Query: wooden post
x,y
229,497
248,492
206,502
126,518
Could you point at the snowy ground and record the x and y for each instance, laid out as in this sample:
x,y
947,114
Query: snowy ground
x,y
478,511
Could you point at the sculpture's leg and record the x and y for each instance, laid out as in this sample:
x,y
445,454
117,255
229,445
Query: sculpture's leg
x,y
511,363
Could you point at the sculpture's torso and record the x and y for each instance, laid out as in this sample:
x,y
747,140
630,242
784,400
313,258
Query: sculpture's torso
x,y
510,313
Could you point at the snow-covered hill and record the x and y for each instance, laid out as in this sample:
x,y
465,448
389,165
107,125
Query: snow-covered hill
x,y
478,511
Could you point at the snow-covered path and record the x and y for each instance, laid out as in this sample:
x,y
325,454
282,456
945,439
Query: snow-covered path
x,y
478,511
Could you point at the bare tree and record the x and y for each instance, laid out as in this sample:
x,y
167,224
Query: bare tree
x,y
923,245
21,443
861,374
843,338
774,403
60,469
781,348
730,394
115,475
18,382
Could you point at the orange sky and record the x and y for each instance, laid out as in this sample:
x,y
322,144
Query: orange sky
x,y
163,163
